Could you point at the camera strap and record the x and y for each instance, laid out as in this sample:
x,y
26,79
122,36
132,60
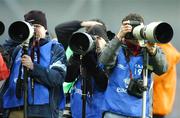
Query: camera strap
x,y
35,45
130,72
128,59
20,81
35,55
19,84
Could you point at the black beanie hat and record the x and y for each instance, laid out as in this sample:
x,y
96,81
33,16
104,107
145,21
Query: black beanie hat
x,y
36,17
98,30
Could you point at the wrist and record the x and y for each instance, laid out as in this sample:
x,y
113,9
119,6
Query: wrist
x,y
153,51
83,23
31,66
119,38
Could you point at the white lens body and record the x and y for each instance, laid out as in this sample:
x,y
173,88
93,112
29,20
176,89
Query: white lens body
x,y
30,28
156,32
90,41
21,31
81,43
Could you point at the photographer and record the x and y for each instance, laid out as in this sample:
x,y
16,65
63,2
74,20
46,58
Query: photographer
x,y
4,57
46,70
124,57
4,62
96,78
165,85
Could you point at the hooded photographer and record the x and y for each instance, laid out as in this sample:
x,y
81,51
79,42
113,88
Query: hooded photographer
x,y
93,72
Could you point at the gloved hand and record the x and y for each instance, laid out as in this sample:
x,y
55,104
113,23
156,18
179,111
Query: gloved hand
x,y
73,68
74,59
89,61
91,64
152,47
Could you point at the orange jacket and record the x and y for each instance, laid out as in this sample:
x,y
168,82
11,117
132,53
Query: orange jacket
x,y
4,71
165,85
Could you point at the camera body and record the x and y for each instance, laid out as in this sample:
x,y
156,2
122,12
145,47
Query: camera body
x,y
136,88
133,23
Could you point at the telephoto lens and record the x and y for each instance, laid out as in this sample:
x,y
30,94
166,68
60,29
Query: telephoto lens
x,y
2,28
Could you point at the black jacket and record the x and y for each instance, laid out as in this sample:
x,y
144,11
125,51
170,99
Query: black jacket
x,y
64,32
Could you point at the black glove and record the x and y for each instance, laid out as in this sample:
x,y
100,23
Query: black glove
x,y
91,64
89,61
73,68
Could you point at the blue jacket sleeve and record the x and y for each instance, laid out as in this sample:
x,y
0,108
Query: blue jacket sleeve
x,y
55,74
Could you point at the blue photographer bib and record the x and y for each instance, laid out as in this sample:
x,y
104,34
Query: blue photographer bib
x,y
41,93
117,100
93,103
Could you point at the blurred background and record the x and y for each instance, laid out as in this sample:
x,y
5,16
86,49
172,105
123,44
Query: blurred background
x,y
110,11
